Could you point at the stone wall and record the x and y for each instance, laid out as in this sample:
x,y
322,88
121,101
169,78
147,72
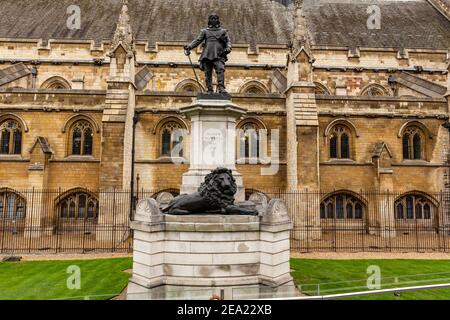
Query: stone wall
x,y
345,73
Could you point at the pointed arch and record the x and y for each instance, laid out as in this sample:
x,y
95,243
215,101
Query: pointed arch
x,y
416,206
415,136
251,140
172,132
340,136
75,190
254,87
189,85
56,82
375,90
343,204
164,120
81,139
8,116
13,205
11,136
429,197
321,89
81,130
77,204
346,191
416,123
11,190
256,120
69,122
344,122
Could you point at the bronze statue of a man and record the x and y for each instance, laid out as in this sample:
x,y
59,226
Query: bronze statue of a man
x,y
217,45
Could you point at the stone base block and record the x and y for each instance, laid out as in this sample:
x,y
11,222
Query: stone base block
x,y
168,292
197,256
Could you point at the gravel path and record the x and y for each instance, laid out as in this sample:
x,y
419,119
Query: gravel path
x,y
372,255
90,256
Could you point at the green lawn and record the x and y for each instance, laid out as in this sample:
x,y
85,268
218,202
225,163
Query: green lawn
x,y
339,276
104,279
48,279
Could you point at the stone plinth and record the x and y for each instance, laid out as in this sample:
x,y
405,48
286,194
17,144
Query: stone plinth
x,y
194,257
213,142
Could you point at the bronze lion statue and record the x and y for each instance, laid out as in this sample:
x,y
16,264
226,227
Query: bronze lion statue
x,y
214,196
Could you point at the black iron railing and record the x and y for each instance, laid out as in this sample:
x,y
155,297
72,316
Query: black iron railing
x,y
83,221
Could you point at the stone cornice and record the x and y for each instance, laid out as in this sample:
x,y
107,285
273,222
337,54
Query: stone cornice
x,y
52,91
381,99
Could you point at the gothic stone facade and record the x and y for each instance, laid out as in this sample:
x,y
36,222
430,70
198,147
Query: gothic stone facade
x,y
356,109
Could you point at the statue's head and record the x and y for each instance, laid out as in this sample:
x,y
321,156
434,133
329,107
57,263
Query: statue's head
x,y
213,21
219,186
225,182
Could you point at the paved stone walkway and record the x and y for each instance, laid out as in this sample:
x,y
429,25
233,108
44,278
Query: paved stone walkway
x,y
313,255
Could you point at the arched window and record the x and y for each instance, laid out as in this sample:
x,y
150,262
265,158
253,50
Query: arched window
x,y
340,142
249,141
254,90
12,206
321,89
375,90
10,137
414,207
413,144
172,140
254,87
56,83
342,206
189,86
81,138
78,206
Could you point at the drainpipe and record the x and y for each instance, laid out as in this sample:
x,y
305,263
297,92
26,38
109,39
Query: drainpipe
x,y
133,147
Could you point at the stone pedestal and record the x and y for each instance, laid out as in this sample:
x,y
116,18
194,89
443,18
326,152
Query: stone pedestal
x,y
195,257
213,142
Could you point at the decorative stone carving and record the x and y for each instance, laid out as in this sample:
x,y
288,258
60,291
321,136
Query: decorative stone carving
x,y
260,200
147,210
277,211
123,35
300,39
163,199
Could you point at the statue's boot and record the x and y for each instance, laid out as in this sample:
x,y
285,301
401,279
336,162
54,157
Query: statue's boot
x,y
209,86
221,81
208,79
